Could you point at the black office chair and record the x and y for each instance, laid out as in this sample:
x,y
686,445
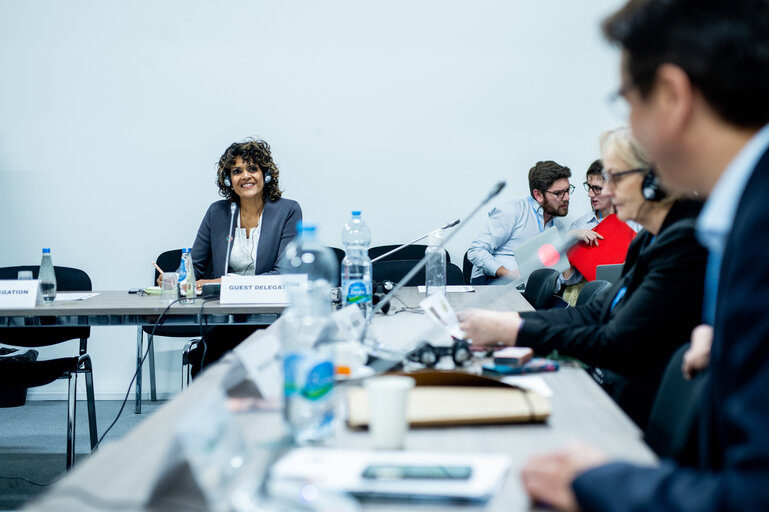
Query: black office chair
x,y
169,262
396,270
672,427
540,289
411,252
591,290
16,373
339,257
467,268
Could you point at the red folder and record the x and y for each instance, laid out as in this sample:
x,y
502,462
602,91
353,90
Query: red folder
x,y
611,250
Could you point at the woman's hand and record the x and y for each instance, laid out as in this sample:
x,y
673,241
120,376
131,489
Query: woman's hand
x,y
199,283
484,327
697,358
587,236
548,478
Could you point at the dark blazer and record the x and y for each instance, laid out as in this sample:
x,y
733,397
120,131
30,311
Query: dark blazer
x,y
664,280
735,472
278,228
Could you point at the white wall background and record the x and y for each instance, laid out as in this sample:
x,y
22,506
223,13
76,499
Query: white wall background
x,y
113,115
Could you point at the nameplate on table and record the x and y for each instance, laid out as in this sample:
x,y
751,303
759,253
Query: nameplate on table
x,y
18,294
257,289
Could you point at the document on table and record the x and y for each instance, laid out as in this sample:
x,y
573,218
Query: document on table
x,y
346,471
452,288
530,382
72,296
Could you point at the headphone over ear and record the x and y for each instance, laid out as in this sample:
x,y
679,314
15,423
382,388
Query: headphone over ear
x,y
228,183
651,187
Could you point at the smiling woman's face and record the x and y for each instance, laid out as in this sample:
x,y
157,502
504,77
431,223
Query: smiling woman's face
x,y
247,179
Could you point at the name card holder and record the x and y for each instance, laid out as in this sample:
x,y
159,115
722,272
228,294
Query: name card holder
x,y
18,294
258,289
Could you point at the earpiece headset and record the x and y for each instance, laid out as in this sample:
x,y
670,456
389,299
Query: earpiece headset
x,y
651,187
267,178
429,355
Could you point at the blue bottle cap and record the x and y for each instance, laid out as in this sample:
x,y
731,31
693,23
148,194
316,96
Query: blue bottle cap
x,y
185,250
46,250
356,213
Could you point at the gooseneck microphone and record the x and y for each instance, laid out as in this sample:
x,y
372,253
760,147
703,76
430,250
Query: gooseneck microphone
x,y
233,209
448,225
421,264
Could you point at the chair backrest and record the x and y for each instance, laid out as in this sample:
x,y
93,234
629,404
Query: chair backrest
x,y
672,427
168,261
467,268
611,273
411,252
68,279
396,270
591,290
540,288
339,253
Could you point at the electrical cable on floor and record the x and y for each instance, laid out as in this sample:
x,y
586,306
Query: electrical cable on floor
x,y
158,323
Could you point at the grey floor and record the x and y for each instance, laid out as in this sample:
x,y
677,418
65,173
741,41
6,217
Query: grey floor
x,y
33,442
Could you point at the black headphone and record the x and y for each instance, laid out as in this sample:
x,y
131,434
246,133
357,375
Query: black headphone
x,y
429,355
651,187
228,183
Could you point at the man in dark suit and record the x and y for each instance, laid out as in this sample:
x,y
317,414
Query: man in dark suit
x,y
696,76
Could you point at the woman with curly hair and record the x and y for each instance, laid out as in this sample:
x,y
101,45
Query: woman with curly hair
x,y
264,224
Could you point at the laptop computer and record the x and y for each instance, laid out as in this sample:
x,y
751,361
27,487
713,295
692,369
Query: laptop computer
x,y
546,250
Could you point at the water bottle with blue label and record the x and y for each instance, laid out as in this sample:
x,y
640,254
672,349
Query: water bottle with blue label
x,y
186,277
308,367
356,265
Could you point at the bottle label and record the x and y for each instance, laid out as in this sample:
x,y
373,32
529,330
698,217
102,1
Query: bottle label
x,y
306,376
357,293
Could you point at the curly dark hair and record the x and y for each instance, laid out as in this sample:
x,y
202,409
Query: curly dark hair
x,y
544,174
255,152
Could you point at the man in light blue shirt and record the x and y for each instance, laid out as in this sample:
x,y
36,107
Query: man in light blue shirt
x,y
514,222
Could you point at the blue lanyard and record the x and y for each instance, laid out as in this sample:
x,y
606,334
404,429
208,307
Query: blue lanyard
x,y
536,215
618,297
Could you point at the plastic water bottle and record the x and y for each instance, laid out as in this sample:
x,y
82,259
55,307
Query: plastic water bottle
x,y
356,265
308,366
435,273
47,277
186,277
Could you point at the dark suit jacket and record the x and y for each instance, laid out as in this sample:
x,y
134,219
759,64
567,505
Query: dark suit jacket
x,y
735,475
278,228
661,306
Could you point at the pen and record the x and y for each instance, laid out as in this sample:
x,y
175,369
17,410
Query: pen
x,y
160,270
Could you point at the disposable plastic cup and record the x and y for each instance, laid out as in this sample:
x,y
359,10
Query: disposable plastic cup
x,y
169,285
388,404
24,275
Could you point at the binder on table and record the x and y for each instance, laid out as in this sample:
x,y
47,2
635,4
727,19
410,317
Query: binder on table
x,y
458,398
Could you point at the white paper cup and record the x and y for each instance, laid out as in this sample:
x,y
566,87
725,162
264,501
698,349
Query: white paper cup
x,y
387,405
170,285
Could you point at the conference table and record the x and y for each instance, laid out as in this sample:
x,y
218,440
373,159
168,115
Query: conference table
x,y
148,468
113,308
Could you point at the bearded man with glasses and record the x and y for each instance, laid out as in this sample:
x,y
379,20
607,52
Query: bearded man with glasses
x,y
517,221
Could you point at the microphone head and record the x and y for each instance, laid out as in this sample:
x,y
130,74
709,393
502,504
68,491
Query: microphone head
x,y
497,189
450,224
233,207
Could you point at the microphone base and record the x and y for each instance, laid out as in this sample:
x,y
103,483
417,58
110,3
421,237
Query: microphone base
x,y
211,291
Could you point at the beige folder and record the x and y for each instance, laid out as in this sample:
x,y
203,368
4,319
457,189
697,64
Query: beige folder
x,y
458,398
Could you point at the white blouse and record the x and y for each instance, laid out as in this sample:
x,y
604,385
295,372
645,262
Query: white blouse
x,y
243,254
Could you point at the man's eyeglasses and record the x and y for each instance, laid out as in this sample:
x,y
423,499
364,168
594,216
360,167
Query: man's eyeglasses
x,y
611,177
561,193
594,188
